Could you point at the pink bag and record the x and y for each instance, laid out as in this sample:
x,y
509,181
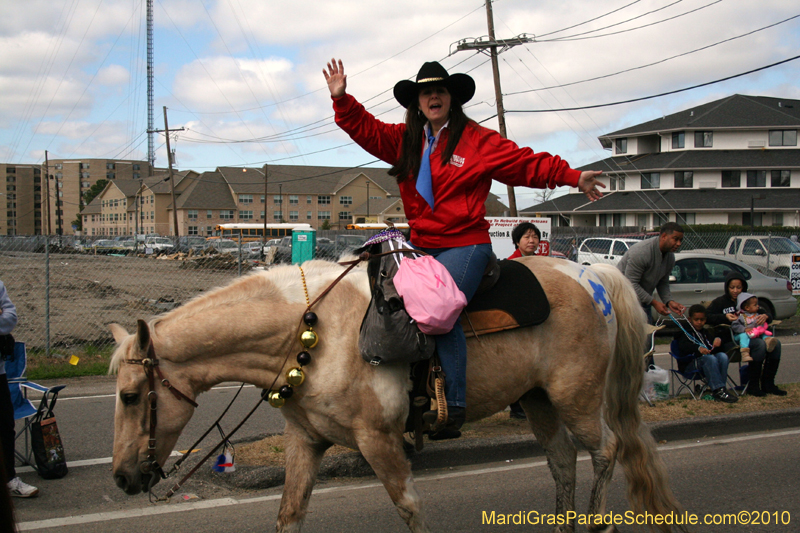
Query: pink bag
x,y
429,293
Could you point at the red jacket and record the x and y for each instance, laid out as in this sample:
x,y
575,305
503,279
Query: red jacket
x,y
461,186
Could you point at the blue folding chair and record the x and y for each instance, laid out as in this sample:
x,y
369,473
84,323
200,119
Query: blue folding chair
x,y
687,378
19,385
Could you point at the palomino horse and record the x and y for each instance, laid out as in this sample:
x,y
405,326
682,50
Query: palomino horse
x,y
580,371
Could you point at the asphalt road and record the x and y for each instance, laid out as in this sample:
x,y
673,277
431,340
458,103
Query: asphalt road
x,y
85,416
757,473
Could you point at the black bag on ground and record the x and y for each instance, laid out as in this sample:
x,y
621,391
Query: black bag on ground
x,y
388,334
48,451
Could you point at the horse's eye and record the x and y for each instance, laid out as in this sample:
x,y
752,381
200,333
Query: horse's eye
x,y
130,398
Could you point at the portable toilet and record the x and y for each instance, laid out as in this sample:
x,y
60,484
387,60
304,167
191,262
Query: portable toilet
x,y
304,245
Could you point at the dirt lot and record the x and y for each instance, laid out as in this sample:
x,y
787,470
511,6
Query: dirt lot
x,y
89,292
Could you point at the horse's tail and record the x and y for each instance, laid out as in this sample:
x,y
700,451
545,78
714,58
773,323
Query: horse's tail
x,y
648,484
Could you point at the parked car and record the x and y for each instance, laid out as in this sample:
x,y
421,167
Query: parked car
x,y
225,246
160,244
253,250
283,252
347,243
104,246
761,251
603,250
192,242
698,278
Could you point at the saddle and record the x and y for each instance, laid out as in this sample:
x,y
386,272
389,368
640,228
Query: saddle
x,y
512,298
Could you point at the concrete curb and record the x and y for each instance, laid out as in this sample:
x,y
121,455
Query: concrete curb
x,y
465,452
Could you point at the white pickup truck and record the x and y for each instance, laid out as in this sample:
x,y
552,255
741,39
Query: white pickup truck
x,y
763,252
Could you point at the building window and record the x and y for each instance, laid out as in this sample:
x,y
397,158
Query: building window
x,y
308,215
136,176
59,166
11,179
209,230
110,175
621,146
192,214
703,139
226,214
651,180
685,218
345,200
308,199
781,178
277,216
777,219
756,178
136,166
755,221
85,175
344,215
621,183
263,199
245,215
731,178
84,166
659,219
245,198
783,137
684,180
263,214
679,139
324,215
193,230
294,199
277,200
109,166
294,216
323,200
209,213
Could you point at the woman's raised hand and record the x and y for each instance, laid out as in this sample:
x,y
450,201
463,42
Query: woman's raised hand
x,y
336,78
588,184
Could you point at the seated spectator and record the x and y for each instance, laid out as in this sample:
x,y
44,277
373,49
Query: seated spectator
x,y
709,357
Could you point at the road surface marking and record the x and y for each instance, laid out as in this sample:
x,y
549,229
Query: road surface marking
x,y
151,510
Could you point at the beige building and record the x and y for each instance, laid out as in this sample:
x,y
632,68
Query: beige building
x,y
71,178
22,196
324,197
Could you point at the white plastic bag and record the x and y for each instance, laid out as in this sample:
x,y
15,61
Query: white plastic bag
x,y
656,383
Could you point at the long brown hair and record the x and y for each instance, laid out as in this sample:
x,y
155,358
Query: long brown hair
x,y
407,165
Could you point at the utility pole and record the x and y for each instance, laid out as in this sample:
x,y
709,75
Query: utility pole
x,y
151,153
264,240
492,44
47,190
367,219
166,132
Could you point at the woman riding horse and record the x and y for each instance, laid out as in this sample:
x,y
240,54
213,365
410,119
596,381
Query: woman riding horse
x,y
444,163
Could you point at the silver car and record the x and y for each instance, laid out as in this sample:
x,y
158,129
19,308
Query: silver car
x,y
699,278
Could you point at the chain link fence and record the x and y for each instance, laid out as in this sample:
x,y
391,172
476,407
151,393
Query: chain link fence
x,y
67,289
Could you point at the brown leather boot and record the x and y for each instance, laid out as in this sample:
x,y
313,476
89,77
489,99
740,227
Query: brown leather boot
x,y
746,355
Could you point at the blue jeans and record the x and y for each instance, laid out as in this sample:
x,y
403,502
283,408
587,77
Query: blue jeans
x,y
714,367
466,264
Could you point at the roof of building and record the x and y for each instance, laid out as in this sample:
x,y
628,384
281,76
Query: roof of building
x,y
294,179
735,111
693,200
209,190
694,159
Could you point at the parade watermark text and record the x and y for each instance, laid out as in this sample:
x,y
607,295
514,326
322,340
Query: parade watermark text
x,y
535,518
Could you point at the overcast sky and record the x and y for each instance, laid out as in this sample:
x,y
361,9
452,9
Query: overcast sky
x,y
73,73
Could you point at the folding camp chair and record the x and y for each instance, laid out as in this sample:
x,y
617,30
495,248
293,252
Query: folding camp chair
x,y
24,410
692,380
725,333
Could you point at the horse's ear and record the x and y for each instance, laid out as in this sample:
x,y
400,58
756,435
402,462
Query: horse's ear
x,y
142,335
118,332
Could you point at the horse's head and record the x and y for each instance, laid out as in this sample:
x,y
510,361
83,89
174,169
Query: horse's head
x,y
138,455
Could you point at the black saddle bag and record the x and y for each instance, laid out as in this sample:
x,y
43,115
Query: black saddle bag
x,y
388,334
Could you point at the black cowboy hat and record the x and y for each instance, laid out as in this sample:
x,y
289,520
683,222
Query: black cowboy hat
x,y
460,86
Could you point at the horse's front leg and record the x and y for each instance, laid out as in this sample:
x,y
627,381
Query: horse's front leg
x,y
384,452
303,457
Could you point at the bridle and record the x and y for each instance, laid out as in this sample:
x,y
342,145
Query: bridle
x,y
150,466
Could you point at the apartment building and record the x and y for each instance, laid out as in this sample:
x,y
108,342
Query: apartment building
x,y
731,161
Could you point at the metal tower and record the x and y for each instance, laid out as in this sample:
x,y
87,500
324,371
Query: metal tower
x,y
151,154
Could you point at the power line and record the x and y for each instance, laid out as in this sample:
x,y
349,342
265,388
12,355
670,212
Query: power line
x,y
655,62
590,20
595,106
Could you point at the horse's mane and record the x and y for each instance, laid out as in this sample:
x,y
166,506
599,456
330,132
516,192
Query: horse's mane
x,y
279,282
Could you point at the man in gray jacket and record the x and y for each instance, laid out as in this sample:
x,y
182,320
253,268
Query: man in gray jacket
x,y
647,265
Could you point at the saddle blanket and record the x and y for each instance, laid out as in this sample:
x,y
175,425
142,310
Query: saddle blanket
x,y
516,300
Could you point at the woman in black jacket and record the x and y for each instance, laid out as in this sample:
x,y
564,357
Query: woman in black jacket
x,y
764,366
